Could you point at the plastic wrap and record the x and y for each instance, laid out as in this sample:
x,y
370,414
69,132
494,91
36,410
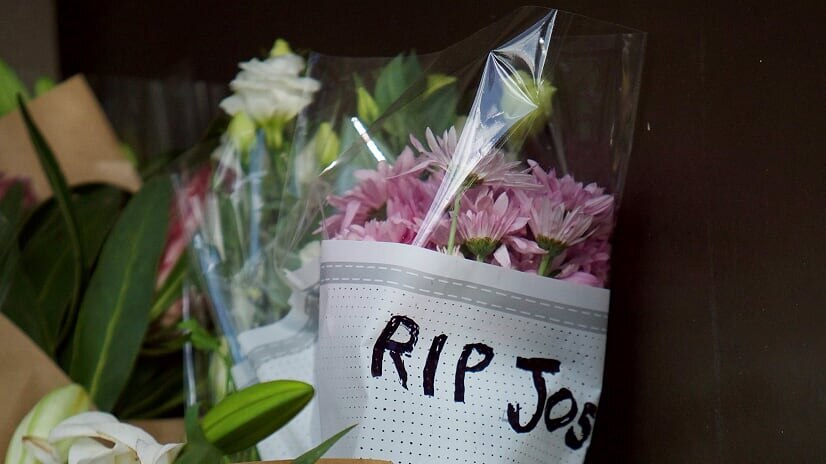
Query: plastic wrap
x,y
494,166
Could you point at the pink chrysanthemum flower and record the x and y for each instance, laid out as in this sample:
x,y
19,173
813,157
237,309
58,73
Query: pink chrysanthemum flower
x,y
571,192
393,230
525,258
582,278
482,227
371,198
591,257
492,170
554,228
532,222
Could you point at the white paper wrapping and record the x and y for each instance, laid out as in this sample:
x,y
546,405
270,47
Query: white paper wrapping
x,y
286,350
442,359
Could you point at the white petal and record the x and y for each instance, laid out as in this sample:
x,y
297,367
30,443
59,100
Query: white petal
x,y
502,257
126,434
91,417
42,450
81,425
116,432
90,451
152,453
232,104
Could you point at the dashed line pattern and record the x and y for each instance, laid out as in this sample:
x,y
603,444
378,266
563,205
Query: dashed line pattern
x,y
458,290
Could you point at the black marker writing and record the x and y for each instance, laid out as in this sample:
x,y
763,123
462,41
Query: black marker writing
x,y
565,419
385,342
462,368
432,363
537,366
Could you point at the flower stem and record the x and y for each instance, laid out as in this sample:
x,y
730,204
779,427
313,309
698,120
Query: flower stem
x,y
543,265
451,239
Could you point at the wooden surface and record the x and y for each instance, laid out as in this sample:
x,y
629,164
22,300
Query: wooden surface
x,y
334,461
716,340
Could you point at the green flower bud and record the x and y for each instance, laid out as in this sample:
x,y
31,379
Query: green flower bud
x,y
367,108
247,416
274,130
52,409
540,96
326,144
281,47
241,131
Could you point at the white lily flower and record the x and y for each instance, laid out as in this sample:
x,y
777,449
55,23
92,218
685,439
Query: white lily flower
x,y
99,438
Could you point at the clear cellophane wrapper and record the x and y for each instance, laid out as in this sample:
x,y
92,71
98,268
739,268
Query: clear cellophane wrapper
x,y
443,339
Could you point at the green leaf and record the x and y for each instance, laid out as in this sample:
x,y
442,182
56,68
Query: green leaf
x,y
129,153
11,209
60,191
17,300
312,456
247,416
197,450
97,208
396,77
409,102
47,256
437,110
434,109
437,81
201,339
9,257
155,388
10,87
20,306
114,313
172,288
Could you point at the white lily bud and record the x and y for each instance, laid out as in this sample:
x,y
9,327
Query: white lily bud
x,y
29,443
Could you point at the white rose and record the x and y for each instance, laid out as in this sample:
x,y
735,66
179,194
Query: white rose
x,y
264,89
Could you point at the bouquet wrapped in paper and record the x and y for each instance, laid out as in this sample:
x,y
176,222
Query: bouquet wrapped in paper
x,y
434,256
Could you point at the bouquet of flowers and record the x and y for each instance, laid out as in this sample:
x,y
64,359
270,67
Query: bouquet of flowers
x,y
427,239
92,283
255,246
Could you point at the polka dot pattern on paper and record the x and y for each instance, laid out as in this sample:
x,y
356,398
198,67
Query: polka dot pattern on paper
x,y
407,426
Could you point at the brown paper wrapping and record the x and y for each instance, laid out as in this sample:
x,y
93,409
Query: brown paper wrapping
x,y
79,134
27,373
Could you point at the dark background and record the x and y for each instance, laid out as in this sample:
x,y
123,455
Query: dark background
x,y
717,348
